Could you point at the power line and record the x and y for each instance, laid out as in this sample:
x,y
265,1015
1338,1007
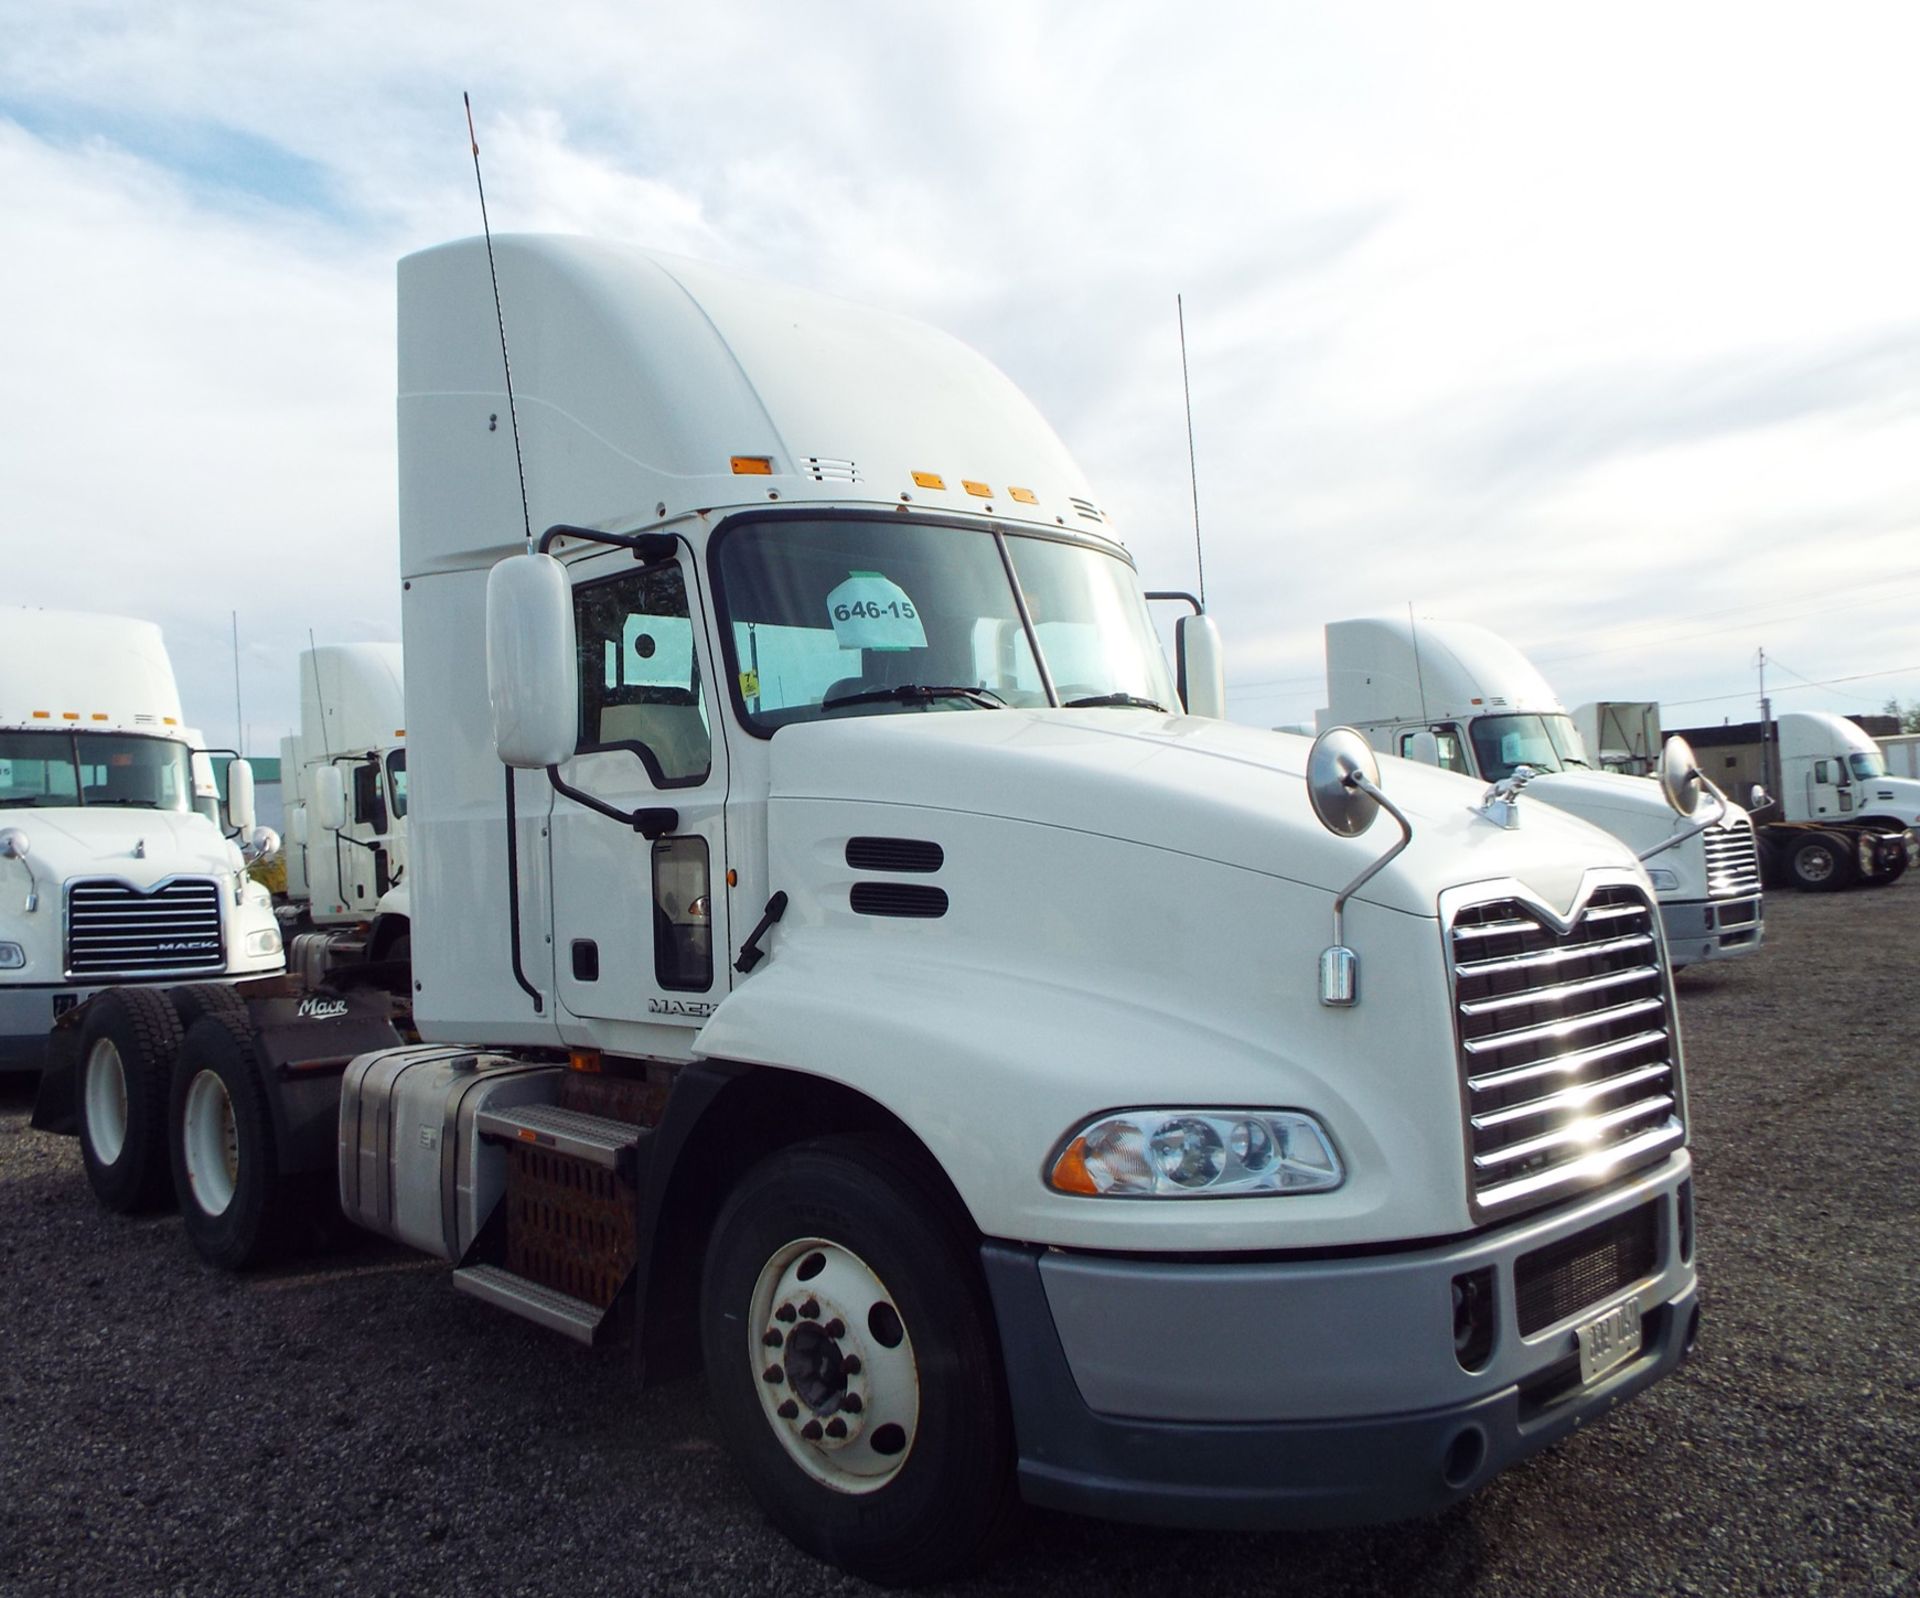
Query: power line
x,y
1747,693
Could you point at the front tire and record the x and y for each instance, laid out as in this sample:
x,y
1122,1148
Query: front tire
x,y
1820,866
852,1364
127,1048
236,1206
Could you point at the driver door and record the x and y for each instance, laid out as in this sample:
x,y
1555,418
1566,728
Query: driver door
x,y
640,924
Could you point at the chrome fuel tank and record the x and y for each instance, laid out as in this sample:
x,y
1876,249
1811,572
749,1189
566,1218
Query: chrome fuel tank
x,y
411,1165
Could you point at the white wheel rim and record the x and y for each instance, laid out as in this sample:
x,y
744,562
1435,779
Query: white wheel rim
x,y
106,1095
833,1365
211,1143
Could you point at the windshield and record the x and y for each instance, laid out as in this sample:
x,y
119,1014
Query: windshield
x,y
49,770
1867,765
1546,743
397,781
876,616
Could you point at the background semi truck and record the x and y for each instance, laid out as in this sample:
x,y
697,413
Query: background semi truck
x,y
1836,815
345,775
1621,735
840,964
1464,698
109,873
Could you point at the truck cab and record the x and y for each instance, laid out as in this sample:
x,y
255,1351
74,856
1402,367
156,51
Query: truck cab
x,y
1831,770
1463,698
111,871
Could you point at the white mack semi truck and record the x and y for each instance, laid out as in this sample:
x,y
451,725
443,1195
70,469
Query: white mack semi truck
x,y
1835,816
1461,697
840,963
346,782
108,871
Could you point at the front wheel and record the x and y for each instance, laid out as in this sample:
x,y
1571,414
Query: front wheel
x,y
852,1364
126,1053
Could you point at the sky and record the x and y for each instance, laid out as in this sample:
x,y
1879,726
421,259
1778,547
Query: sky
x,y
1596,326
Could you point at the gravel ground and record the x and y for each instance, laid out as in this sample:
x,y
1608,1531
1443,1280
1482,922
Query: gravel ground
x,y
356,1426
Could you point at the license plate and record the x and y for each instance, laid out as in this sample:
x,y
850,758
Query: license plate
x,y
1609,1339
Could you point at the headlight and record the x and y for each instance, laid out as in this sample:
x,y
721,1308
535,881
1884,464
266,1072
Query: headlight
x,y
12,957
1197,1154
1868,850
1663,880
265,942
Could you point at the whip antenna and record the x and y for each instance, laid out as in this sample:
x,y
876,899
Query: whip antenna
x,y
1193,475
499,316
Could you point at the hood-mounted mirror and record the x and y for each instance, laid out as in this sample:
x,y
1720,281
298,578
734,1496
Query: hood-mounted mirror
x,y
1681,782
1343,786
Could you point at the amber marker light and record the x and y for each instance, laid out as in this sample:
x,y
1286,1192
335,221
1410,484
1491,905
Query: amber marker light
x,y
1070,1173
753,466
1026,496
584,1059
928,480
978,490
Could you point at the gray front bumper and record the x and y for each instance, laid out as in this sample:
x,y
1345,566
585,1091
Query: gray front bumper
x,y
26,1016
1712,929
1306,1391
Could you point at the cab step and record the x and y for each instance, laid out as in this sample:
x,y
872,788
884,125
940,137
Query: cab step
x,y
592,1139
571,1317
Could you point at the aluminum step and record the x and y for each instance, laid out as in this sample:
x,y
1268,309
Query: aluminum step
x,y
571,1317
591,1138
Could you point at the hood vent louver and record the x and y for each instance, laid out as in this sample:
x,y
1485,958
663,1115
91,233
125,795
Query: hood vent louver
x,y
913,900
1087,510
895,854
825,469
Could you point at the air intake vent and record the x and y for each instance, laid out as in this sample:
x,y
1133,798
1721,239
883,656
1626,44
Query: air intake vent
x,y
895,854
1566,1048
912,899
824,469
1733,864
1086,509
116,930
1586,1269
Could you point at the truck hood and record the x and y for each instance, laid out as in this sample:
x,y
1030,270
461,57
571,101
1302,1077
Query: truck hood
x,y
104,842
1221,792
1631,807
1898,796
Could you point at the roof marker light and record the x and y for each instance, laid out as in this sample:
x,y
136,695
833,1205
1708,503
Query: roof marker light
x,y
928,480
1026,496
978,490
100,715
752,466
69,715
42,715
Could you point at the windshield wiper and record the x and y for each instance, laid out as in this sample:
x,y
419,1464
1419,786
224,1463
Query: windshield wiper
x,y
912,692
1131,700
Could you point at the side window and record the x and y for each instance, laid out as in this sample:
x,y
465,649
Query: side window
x,y
640,673
1822,772
369,808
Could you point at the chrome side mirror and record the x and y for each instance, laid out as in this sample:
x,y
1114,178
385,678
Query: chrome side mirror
x,y
1681,783
1343,786
262,843
13,844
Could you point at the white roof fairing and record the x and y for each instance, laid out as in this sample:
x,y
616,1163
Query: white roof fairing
x,y
1391,669
637,376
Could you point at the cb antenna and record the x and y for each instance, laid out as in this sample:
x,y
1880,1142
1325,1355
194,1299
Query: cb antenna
x,y
499,316
1193,474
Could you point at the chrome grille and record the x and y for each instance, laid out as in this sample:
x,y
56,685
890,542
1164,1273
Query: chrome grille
x,y
117,930
1733,864
1567,1047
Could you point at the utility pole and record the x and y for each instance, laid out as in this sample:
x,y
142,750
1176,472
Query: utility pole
x,y
239,726
1766,724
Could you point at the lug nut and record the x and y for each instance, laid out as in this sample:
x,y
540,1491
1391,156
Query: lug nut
x,y
787,1410
811,1431
835,1328
784,1313
836,1427
851,1403
773,1374
811,1309
851,1364
773,1339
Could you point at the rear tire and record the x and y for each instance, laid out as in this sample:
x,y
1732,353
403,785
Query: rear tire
x,y
852,1363
195,999
127,1048
1820,866
236,1206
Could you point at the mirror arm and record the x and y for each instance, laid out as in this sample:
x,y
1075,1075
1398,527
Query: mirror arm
x,y
648,547
1177,594
651,822
1698,827
1372,791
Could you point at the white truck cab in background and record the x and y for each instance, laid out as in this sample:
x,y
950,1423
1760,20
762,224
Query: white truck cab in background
x,y
110,869
1836,815
345,780
1459,696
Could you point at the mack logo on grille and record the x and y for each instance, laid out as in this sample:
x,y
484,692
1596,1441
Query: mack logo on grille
x,y
1567,1056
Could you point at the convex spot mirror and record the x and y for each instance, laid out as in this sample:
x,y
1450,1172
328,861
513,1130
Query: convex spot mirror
x,y
1680,781
240,807
263,843
1423,747
531,667
1338,754
329,798
13,844
1202,667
